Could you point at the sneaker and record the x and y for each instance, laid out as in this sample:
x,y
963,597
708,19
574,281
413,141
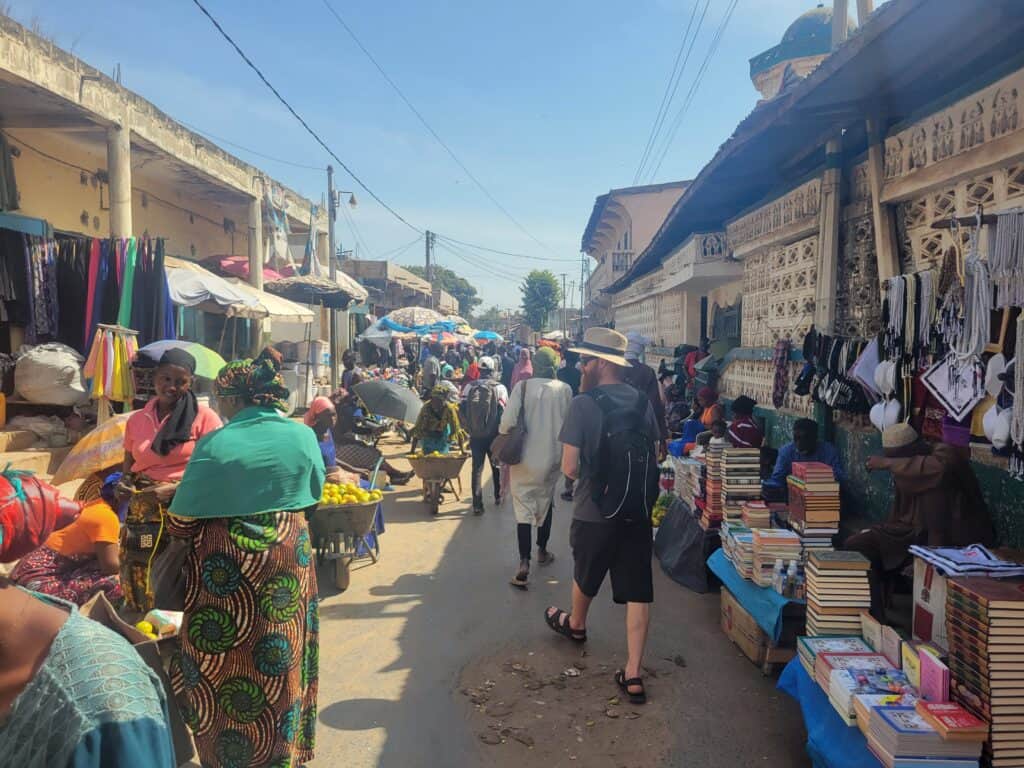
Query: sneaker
x,y
478,506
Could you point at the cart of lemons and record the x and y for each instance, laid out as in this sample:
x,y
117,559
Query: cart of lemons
x,y
344,494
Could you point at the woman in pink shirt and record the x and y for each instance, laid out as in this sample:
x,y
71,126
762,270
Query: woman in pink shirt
x,y
158,442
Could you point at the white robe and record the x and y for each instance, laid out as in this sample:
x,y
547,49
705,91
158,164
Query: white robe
x,y
534,479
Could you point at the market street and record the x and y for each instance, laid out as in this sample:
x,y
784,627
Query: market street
x,y
394,644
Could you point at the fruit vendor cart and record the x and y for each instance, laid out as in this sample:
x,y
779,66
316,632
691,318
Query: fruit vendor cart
x,y
437,472
342,524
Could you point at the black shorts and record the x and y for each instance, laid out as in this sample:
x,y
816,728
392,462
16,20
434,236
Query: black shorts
x,y
624,549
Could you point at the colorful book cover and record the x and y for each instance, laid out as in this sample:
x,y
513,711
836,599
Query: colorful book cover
x,y
891,644
890,680
934,678
848,644
871,629
911,664
991,592
905,720
951,717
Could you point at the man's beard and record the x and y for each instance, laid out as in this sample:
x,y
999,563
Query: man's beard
x,y
589,379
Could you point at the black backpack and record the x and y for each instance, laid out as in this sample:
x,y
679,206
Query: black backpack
x,y
482,411
625,483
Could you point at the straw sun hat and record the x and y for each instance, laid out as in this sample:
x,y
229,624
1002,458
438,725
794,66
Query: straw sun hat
x,y
605,344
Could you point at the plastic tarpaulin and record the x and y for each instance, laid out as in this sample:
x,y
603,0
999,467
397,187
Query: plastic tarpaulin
x,y
192,286
763,603
831,743
276,307
682,547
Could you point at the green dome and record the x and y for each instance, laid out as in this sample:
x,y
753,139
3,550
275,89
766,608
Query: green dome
x,y
809,35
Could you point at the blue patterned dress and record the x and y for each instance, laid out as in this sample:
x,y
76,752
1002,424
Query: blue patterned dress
x,y
93,704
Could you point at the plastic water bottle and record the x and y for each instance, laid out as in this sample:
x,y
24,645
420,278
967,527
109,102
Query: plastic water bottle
x,y
791,578
778,575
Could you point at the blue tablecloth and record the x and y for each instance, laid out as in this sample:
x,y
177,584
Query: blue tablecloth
x,y
831,743
763,603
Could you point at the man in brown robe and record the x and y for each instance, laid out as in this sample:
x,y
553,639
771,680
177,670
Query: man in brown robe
x,y
937,503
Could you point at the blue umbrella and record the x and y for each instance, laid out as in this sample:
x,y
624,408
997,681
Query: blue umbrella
x,y
487,336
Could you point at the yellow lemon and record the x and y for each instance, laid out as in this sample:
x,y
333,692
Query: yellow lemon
x,y
145,627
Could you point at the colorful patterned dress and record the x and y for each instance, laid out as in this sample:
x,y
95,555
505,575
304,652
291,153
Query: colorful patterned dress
x,y
246,674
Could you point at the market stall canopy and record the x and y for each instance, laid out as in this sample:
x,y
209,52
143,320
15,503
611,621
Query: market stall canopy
x,y
487,336
307,289
191,285
414,317
275,307
238,266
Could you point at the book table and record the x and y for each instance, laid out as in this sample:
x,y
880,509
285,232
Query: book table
x,y
780,618
831,743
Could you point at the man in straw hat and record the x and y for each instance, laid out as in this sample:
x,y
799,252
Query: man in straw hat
x,y
937,503
611,527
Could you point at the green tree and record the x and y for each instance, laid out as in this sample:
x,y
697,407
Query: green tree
x,y
459,287
541,297
492,319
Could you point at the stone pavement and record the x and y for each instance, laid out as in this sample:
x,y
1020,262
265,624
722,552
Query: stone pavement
x,y
395,645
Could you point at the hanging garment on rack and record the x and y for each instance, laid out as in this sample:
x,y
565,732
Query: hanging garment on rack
x,y
109,364
780,361
1006,259
72,282
14,281
90,301
124,314
41,255
8,183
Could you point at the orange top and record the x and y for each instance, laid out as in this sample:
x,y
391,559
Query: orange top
x,y
710,415
98,524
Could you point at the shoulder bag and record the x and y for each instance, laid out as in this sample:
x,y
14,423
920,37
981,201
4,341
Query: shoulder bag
x,y
508,449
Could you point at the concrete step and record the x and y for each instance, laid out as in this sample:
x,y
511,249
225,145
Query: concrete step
x,y
16,440
43,462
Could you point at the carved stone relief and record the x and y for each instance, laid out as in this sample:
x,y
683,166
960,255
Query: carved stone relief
x,y
858,310
778,293
799,205
972,127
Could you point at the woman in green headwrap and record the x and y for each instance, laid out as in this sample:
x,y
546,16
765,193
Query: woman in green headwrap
x,y
246,674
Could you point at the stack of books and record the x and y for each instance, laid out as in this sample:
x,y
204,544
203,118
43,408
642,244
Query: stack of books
x,y
874,686
738,545
826,663
771,544
864,703
896,735
688,477
813,504
953,722
985,630
756,514
741,479
837,592
713,483
808,648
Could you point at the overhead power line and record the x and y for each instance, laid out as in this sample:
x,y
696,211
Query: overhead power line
x,y
507,253
671,86
430,129
298,117
253,152
396,252
698,79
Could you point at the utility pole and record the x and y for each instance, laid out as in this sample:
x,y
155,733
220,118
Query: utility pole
x,y
572,292
563,305
583,285
429,246
332,270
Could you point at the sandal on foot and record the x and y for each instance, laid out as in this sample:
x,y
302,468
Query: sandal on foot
x,y
545,558
559,622
522,578
633,682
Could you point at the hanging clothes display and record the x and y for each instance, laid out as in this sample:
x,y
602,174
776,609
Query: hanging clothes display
x,y
152,312
124,315
1006,259
14,279
72,279
109,364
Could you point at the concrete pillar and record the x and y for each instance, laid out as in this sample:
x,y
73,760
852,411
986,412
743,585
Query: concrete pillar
x,y
840,21
323,249
864,9
119,170
886,252
828,239
692,332
256,243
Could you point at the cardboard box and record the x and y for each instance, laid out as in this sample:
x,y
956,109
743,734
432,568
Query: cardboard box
x,y
929,605
740,627
100,610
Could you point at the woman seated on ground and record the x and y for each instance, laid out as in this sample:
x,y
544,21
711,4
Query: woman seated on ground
x,y
320,418
82,559
351,453
56,703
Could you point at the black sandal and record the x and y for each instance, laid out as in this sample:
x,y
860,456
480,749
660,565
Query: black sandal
x,y
559,622
633,682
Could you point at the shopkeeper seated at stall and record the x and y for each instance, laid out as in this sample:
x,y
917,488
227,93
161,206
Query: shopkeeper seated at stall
x,y
937,503
805,447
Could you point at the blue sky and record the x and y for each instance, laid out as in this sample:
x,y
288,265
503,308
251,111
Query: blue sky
x,y
548,103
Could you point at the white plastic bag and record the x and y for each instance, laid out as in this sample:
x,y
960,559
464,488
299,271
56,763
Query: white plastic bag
x,y
51,374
